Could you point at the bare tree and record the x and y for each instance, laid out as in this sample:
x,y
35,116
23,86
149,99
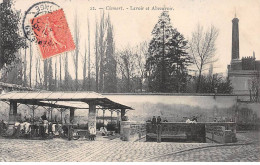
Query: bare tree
x,y
25,68
60,84
36,72
39,71
89,80
141,56
66,79
76,57
202,49
30,69
45,72
85,69
97,56
55,74
127,66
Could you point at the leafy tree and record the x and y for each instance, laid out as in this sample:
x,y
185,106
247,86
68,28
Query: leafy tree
x,y
167,62
10,39
13,74
110,81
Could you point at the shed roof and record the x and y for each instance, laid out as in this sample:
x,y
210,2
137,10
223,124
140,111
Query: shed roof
x,y
66,99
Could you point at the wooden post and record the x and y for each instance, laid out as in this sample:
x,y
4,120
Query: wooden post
x,y
72,112
117,119
51,113
33,114
92,117
117,122
103,118
12,112
122,113
111,116
61,114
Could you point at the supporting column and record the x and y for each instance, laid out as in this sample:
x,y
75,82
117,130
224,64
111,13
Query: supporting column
x,y
61,115
120,125
117,121
72,112
33,108
12,112
122,113
51,114
103,118
111,116
92,118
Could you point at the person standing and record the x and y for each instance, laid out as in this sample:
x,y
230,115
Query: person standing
x,y
159,129
92,133
154,124
45,123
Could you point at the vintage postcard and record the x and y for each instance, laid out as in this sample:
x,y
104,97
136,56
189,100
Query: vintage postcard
x,y
129,81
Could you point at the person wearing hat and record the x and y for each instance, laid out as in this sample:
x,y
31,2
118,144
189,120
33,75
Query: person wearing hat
x,y
154,124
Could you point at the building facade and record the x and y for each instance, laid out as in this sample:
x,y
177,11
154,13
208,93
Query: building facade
x,y
241,72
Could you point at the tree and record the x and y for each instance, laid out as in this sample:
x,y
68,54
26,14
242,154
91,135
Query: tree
x,y
105,59
101,46
110,64
89,78
45,72
141,56
211,82
10,40
97,56
13,73
67,74
127,61
202,49
84,85
167,63
76,56
30,67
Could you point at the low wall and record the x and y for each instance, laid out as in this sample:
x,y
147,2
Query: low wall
x,y
199,132
132,131
177,131
220,132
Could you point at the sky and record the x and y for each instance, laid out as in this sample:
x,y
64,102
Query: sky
x,y
134,26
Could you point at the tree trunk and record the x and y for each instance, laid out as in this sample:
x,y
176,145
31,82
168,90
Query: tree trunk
x,y
76,52
89,80
60,84
45,74
25,68
30,73
97,66
85,69
198,83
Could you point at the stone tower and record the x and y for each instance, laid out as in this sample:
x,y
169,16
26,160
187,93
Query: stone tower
x,y
235,39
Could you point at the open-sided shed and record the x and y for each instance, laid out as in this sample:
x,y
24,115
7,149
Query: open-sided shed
x,y
62,100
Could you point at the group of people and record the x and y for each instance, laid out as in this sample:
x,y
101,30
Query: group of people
x,y
194,119
156,121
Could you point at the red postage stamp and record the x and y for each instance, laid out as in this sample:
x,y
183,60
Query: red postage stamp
x,y
52,33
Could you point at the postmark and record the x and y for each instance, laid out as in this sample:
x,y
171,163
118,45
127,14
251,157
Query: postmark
x,y
52,33
36,10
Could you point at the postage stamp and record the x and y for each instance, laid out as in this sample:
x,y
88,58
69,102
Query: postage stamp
x,y
52,33
36,10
